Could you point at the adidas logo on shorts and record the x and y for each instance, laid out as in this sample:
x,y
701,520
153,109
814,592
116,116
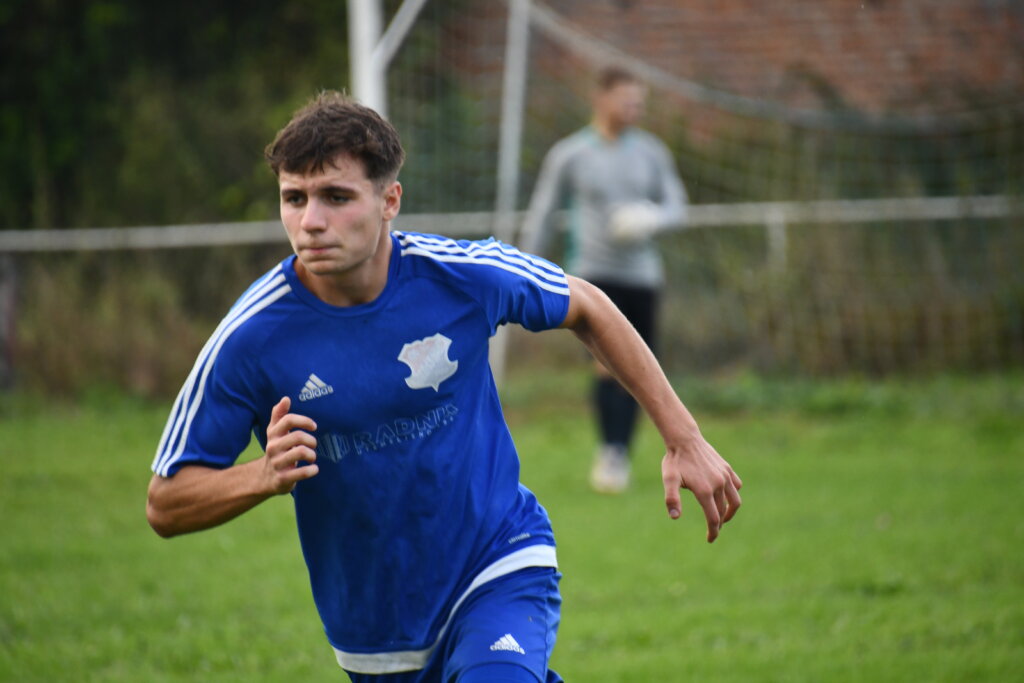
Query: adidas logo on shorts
x,y
508,643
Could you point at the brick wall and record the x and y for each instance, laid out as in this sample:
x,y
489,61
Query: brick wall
x,y
875,56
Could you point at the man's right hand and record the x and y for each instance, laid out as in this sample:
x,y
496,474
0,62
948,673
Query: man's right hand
x,y
199,497
289,442
634,222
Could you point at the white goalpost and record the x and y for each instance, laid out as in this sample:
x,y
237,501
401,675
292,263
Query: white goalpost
x,y
370,51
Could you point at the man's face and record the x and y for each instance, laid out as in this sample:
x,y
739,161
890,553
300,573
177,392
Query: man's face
x,y
623,104
335,218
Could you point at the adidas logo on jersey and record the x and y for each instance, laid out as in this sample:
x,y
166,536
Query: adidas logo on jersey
x,y
315,388
507,643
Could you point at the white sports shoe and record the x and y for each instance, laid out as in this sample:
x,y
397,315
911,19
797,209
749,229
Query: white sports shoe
x,y
610,473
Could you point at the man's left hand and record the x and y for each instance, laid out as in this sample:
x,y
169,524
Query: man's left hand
x,y
698,467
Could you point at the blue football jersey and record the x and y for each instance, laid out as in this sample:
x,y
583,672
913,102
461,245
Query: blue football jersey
x,y
418,499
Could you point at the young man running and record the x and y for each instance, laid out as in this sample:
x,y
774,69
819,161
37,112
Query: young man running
x,y
360,363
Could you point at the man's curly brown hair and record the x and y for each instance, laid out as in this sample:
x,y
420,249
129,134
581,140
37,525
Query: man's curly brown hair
x,y
332,125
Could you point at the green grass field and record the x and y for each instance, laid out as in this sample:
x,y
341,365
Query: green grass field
x,y
880,540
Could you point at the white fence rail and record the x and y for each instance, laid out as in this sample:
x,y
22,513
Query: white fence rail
x,y
772,215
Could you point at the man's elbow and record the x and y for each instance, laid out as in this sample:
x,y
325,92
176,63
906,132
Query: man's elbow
x,y
159,521
157,513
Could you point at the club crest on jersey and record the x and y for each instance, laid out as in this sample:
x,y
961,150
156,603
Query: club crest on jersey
x,y
429,362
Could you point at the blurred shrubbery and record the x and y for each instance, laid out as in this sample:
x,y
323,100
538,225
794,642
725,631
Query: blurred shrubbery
x,y
875,299
130,321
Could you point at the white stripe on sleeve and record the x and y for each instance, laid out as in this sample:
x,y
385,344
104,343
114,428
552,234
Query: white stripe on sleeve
x,y
172,442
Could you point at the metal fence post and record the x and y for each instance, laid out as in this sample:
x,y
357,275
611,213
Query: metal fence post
x,y
512,106
8,287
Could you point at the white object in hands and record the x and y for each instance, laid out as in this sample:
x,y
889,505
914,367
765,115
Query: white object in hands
x,y
635,221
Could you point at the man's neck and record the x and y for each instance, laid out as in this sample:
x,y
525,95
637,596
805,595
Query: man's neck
x,y
354,287
609,130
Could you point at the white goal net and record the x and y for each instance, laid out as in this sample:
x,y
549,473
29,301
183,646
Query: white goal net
x,y
855,169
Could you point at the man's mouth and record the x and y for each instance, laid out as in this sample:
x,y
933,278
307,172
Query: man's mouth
x,y
317,249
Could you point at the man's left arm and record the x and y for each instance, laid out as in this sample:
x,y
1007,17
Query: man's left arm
x,y
674,202
690,462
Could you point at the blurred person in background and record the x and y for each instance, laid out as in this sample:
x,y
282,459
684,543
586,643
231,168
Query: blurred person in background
x,y
621,188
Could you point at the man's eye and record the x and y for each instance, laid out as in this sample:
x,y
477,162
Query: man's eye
x,y
293,199
339,198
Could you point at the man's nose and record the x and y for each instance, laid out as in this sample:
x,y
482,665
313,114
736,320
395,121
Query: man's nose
x,y
313,217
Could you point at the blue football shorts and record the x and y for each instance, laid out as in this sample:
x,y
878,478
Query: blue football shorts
x,y
503,633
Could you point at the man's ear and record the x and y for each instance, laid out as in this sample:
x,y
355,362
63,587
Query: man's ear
x,y
392,200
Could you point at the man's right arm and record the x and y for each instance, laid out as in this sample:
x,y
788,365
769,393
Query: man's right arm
x,y
198,497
